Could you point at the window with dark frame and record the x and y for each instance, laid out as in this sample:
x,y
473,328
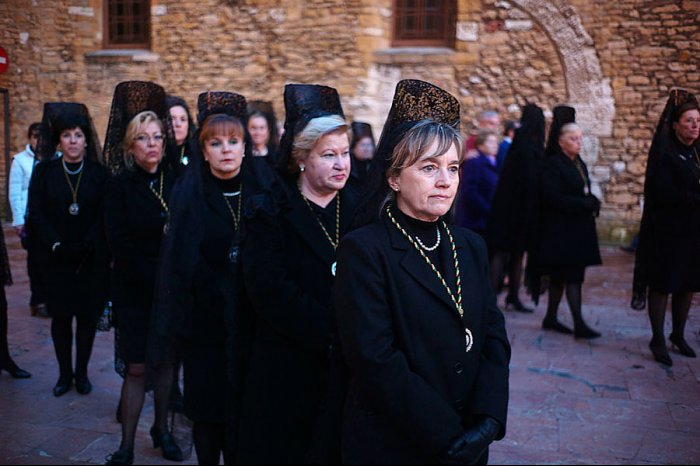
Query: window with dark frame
x,y
127,24
427,23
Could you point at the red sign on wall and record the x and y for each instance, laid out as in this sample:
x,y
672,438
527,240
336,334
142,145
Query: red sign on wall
x,y
4,61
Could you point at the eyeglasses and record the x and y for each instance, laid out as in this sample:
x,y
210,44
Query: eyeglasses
x,y
145,139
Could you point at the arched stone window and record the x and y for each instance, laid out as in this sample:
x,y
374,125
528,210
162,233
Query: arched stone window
x,y
127,24
424,23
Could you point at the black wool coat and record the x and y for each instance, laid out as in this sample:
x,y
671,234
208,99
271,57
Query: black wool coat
x,y
413,387
78,270
568,229
287,264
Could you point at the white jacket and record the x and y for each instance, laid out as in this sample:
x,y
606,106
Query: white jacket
x,y
20,175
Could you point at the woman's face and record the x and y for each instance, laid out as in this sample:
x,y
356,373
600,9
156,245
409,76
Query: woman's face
x,y
147,147
225,154
688,126
489,146
364,149
327,167
570,143
73,144
427,189
259,131
181,124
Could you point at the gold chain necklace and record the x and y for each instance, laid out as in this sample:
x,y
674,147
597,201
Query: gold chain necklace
x,y
236,217
337,221
577,163
74,208
469,338
159,193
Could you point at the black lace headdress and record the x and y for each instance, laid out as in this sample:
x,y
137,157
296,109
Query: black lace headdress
x,y
130,99
59,116
414,101
303,103
562,115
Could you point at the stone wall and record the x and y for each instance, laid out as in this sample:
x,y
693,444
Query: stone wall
x,y
614,61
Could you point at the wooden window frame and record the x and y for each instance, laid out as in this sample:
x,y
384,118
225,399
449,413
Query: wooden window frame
x,y
108,42
448,17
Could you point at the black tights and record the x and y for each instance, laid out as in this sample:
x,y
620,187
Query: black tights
x,y
514,263
5,358
133,394
62,334
680,306
573,297
210,442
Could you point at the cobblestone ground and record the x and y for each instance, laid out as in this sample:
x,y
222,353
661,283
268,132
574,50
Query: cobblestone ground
x,y
572,402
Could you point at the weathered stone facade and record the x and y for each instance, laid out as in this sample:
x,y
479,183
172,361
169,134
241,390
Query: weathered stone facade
x,y
614,61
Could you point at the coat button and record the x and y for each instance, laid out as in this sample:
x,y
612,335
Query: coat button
x,y
458,368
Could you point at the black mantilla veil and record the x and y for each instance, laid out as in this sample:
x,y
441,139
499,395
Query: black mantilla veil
x,y
60,116
512,214
130,98
303,103
562,115
660,145
414,101
535,282
265,108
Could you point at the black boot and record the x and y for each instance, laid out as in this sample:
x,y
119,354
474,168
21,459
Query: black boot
x,y
167,444
121,457
12,369
62,385
660,352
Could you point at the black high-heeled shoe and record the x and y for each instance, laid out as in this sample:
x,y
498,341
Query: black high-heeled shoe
x,y
517,305
12,369
121,457
166,442
62,386
585,332
682,346
83,385
554,324
660,353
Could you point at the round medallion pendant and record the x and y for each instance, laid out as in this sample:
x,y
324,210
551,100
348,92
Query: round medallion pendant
x,y
333,268
185,161
74,209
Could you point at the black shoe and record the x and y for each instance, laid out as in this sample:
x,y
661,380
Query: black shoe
x,y
62,386
517,305
660,353
83,385
682,346
167,444
554,324
121,456
585,332
12,369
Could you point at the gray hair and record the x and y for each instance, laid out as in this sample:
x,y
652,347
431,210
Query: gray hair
x,y
314,130
569,128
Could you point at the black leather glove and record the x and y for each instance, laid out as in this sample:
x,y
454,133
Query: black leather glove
x,y
469,447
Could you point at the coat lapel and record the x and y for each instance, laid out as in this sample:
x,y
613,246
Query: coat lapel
x,y
303,220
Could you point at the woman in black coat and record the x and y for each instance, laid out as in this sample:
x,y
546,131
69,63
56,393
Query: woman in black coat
x,y
568,238
64,224
668,257
136,212
179,122
426,345
513,219
289,265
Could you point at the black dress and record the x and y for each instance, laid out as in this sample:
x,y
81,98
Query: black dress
x,y
673,235
79,267
569,241
288,266
134,221
413,386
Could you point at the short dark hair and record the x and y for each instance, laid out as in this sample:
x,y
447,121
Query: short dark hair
x,y
509,126
686,107
34,128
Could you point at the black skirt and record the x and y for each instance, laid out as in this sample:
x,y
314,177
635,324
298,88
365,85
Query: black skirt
x,y
560,274
132,325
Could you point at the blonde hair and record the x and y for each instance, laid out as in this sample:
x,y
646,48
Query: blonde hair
x,y
135,126
307,139
418,140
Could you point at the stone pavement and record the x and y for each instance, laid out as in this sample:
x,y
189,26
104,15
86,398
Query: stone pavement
x,y
572,402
